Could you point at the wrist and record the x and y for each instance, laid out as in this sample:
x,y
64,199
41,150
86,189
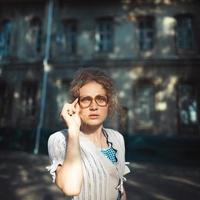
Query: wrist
x,y
74,132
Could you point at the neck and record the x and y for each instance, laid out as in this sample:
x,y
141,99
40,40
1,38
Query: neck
x,y
94,133
91,130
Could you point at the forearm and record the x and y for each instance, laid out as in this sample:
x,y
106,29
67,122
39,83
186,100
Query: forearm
x,y
70,175
124,197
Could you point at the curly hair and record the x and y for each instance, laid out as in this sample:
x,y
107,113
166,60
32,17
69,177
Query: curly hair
x,y
86,75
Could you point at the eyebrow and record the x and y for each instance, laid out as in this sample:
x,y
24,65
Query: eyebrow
x,y
94,96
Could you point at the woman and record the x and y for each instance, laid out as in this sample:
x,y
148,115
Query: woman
x,y
88,160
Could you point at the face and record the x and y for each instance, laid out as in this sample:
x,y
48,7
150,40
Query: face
x,y
93,104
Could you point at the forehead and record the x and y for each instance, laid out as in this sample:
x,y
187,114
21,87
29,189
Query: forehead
x,y
92,89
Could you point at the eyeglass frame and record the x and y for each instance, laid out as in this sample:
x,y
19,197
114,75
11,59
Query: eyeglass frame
x,y
94,100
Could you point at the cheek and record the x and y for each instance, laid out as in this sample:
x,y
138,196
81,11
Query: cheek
x,y
83,113
104,111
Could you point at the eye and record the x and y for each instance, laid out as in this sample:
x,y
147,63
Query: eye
x,y
101,98
85,99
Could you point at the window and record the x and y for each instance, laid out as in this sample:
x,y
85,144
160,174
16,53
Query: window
x,y
123,120
104,35
63,96
34,36
184,32
67,38
187,104
144,105
5,102
5,38
29,98
146,32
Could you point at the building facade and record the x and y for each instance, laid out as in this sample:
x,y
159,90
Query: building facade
x,y
150,48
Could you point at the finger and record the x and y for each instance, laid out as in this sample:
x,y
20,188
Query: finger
x,y
67,109
75,102
77,108
70,112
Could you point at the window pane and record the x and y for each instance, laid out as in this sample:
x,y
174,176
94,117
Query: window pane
x,y
34,37
187,104
63,93
5,102
123,120
67,39
5,37
104,35
29,98
144,105
185,32
146,32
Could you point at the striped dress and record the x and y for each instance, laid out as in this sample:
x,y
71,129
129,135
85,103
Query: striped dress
x,y
102,180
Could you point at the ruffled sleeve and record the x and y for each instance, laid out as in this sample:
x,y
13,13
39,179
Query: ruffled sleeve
x,y
56,149
126,168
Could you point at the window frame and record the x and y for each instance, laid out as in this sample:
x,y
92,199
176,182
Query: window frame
x,y
7,39
26,87
191,127
180,49
7,96
149,29
69,36
138,126
106,45
34,30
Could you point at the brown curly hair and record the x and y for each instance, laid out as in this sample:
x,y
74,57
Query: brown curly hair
x,y
86,75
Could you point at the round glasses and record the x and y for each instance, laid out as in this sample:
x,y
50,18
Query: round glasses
x,y
86,101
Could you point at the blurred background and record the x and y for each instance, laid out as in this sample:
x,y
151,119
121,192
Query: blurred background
x,y
151,48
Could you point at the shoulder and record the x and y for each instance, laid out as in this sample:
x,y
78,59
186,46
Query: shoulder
x,y
114,134
58,137
116,138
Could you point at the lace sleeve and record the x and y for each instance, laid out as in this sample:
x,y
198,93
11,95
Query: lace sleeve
x,y
56,150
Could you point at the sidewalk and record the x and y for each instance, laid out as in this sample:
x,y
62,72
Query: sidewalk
x,y
151,181
24,177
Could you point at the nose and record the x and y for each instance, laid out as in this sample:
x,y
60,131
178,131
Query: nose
x,y
93,105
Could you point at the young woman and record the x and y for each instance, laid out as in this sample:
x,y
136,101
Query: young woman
x,y
88,160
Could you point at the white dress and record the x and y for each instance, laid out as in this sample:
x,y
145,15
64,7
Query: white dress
x,y
102,180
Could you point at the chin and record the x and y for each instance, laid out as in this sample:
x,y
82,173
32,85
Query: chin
x,y
94,122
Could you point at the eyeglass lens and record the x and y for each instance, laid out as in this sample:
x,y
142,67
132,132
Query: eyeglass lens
x,y
87,101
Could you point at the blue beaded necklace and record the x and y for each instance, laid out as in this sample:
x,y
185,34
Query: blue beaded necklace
x,y
109,152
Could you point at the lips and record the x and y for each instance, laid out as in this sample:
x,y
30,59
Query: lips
x,y
93,116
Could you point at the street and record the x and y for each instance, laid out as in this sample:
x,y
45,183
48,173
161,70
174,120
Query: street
x,y
23,177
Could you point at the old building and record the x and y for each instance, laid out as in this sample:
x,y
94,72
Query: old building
x,y
151,49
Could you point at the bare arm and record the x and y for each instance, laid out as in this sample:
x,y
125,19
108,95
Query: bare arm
x,y
69,176
124,197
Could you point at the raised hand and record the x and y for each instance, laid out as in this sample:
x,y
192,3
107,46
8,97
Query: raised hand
x,y
70,115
